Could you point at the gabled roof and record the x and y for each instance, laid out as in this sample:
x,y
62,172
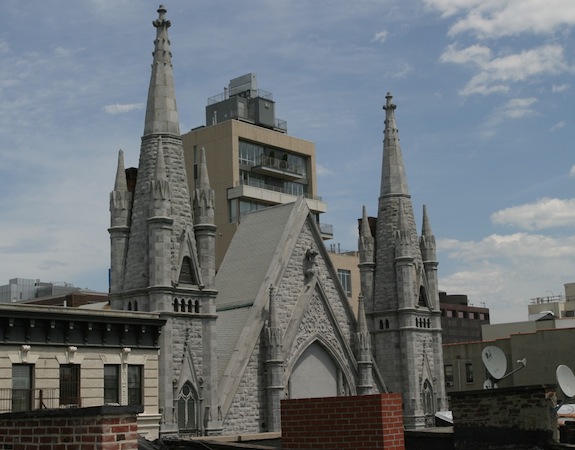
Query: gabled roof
x,y
249,255
257,258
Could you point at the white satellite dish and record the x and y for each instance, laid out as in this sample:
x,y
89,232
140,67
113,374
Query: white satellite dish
x,y
566,380
495,361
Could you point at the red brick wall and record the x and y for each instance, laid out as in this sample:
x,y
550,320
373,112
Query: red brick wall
x,y
361,423
101,428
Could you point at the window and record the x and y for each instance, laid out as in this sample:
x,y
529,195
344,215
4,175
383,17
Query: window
x,y
70,384
469,372
250,153
448,375
111,383
187,409
345,278
135,379
22,381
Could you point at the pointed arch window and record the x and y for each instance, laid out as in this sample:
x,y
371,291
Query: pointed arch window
x,y
428,401
187,409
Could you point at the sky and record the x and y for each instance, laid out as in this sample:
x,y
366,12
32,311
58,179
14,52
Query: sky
x,y
485,109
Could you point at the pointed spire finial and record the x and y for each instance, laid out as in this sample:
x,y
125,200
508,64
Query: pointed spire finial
x,y
393,179
121,183
161,21
388,105
161,111
365,228
426,227
203,180
361,319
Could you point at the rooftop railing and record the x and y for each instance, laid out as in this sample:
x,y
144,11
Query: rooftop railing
x,y
13,400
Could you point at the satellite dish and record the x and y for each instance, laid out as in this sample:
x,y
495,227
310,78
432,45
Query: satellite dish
x,y
566,380
488,384
495,362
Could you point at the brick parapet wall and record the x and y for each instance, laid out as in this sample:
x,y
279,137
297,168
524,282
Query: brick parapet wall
x,y
518,417
359,422
95,428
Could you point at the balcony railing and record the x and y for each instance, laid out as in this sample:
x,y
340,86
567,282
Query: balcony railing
x,y
279,164
13,400
269,187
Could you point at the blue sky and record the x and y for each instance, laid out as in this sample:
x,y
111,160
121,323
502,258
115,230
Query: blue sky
x,y
485,95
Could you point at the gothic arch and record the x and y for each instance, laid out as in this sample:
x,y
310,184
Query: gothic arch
x,y
187,408
346,378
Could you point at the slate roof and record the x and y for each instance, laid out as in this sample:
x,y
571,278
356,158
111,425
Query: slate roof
x,y
243,273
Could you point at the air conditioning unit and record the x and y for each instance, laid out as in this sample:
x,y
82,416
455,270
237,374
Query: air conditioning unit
x,y
449,383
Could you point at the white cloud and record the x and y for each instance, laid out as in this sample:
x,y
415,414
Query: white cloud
x,y
518,107
497,18
572,171
542,214
560,87
557,126
122,108
380,37
497,73
505,271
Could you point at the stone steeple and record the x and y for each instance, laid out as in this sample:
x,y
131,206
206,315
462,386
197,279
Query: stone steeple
x,y
403,314
155,258
161,111
161,134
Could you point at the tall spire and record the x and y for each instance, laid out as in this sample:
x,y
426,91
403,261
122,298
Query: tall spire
x,y
161,111
393,179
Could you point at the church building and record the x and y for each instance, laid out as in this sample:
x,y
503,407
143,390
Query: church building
x,y
274,322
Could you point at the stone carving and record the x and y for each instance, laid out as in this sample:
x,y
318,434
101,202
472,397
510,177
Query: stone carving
x,y
310,266
316,322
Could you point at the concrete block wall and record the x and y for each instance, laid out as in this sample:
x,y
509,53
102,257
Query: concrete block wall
x,y
359,422
518,417
95,428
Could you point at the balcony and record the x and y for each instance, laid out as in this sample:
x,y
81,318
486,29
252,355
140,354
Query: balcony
x,y
326,230
13,400
279,168
273,195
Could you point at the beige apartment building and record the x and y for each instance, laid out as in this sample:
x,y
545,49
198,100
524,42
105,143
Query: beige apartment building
x,y
252,162
65,357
